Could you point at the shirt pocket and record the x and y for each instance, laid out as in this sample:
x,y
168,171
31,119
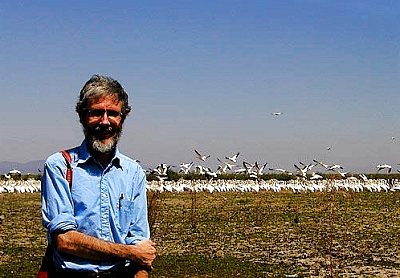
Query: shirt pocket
x,y
125,215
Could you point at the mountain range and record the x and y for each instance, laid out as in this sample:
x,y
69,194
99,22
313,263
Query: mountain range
x,y
32,167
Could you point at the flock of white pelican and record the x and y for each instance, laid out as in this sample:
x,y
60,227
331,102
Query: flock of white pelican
x,y
273,185
219,185
304,178
256,170
19,186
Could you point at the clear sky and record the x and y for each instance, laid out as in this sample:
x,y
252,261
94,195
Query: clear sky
x,y
207,75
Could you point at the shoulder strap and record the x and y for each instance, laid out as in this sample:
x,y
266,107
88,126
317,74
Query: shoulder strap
x,y
47,260
68,160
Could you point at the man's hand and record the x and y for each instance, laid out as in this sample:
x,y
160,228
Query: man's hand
x,y
144,253
142,274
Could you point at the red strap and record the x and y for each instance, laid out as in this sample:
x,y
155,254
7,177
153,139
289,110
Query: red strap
x,y
47,259
43,274
68,174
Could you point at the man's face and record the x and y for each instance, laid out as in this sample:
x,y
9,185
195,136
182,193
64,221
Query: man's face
x,y
103,124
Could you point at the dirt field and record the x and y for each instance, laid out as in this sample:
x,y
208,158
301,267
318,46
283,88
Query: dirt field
x,y
263,234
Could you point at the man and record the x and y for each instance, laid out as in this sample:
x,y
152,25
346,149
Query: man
x,y
97,226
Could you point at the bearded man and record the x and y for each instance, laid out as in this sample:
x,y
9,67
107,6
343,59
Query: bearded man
x,y
97,221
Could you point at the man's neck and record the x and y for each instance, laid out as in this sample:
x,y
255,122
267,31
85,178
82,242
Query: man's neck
x,y
103,158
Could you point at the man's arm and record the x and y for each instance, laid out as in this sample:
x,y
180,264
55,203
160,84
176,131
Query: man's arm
x,y
88,247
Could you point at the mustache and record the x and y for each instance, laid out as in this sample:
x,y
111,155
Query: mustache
x,y
103,131
102,128
95,134
100,132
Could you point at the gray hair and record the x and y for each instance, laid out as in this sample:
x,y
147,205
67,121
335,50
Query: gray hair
x,y
99,86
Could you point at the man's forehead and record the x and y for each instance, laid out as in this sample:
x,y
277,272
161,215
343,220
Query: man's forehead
x,y
106,100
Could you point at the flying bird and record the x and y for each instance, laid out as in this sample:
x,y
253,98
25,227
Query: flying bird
x,y
228,165
259,170
200,156
233,158
276,113
315,176
342,174
283,171
335,167
326,166
302,171
384,166
247,168
185,167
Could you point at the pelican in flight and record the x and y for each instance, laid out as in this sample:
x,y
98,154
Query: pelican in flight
x,y
228,165
315,176
326,166
283,171
302,171
233,158
335,167
185,167
384,166
247,168
200,156
259,170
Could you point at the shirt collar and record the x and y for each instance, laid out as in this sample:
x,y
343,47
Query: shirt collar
x,y
84,155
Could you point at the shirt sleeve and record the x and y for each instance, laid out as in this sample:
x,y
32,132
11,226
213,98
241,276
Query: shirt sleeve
x,y
57,204
139,227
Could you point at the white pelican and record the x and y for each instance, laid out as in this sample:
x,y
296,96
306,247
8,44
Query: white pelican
x,y
315,176
384,166
233,158
363,177
228,165
200,156
303,171
326,166
281,171
260,169
334,167
185,167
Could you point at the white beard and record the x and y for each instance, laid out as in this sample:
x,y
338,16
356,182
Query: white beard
x,y
100,147
97,145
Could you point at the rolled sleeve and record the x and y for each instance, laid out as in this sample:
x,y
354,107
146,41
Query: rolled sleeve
x,y
57,205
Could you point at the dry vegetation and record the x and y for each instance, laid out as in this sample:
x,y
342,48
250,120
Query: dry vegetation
x,y
264,234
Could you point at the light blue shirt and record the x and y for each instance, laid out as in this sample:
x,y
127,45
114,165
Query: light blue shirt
x,y
105,202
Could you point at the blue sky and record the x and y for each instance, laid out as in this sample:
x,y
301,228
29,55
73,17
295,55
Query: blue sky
x,y
208,75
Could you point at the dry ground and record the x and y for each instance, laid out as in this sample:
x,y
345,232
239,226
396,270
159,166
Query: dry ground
x,y
264,234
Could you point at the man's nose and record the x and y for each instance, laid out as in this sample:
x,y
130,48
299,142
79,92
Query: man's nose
x,y
104,119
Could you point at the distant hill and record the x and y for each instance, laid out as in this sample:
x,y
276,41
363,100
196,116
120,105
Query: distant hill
x,y
32,167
